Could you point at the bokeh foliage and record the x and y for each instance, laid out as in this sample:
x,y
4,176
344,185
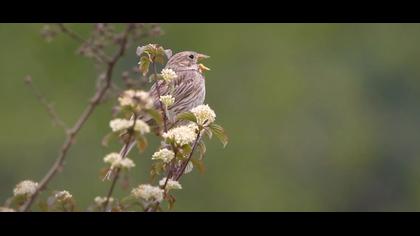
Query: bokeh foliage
x,y
319,116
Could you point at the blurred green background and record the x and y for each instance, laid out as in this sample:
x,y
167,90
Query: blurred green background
x,y
321,117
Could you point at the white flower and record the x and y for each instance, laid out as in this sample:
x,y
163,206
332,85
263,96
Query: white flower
x,y
112,157
141,127
145,98
63,195
26,187
167,100
101,200
6,209
181,135
204,114
119,124
163,154
171,184
193,126
124,163
122,124
168,75
148,193
136,99
116,161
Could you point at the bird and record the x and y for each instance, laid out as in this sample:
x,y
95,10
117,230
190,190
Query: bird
x,y
188,89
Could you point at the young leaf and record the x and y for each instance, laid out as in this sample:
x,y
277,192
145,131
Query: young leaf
x,y
201,149
155,115
220,133
144,65
187,116
171,201
186,149
208,132
142,143
199,164
160,59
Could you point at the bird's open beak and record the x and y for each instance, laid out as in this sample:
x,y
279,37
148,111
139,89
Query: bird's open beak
x,y
202,67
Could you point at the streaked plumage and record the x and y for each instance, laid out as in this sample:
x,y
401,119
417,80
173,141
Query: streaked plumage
x,y
188,88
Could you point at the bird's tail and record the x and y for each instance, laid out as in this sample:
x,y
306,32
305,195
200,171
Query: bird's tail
x,y
123,153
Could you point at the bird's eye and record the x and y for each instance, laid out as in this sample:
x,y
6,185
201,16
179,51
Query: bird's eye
x,y
191,56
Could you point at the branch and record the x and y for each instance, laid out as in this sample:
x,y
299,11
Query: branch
x,y
181,172
123,154
71,134
48,106
98,54
160,102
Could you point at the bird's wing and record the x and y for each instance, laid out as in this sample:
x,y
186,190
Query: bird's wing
x,y
183,89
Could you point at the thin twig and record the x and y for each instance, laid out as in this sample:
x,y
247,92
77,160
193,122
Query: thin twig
x,y
182,170
123,154
48,106
71,134
160,102
111,189
98,54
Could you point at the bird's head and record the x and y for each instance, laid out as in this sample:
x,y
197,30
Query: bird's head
x,y
187,60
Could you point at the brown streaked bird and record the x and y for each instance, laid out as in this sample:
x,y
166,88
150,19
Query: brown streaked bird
x,y
188,88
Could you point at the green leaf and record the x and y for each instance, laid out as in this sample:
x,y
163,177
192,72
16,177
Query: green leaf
x,y
201,149
156,169
155,115
187,116
207,131
199,164
220,133
186,150
171,201
142,143
144,65
160,59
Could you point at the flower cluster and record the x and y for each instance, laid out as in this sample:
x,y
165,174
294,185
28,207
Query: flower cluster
x,y
6,209
168,75
116,161
26,187
101,200
151,53
148,193
204,114
136,100
170,184
180,135
124,124
167,100
63,195
164,155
